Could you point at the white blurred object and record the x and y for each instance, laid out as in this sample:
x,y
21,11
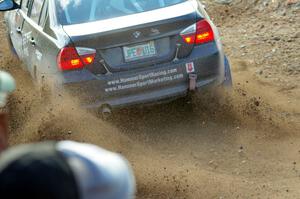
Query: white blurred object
x,y
7,85
99,173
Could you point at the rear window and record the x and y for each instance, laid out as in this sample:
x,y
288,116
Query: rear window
x,y
82,11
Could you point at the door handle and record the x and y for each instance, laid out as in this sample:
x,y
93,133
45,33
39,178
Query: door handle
x,y
32,41
19,30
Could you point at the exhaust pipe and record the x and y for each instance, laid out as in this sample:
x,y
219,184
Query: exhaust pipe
x,y
105,112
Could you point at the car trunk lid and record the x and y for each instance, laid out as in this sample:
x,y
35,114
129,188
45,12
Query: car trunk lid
x,y
138,40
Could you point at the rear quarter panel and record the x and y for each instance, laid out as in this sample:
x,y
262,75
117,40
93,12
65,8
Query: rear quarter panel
x,y
49,39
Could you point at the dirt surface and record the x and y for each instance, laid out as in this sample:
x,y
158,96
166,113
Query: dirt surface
x,y
240,145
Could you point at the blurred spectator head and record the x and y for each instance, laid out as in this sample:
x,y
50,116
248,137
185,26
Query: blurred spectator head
x,y
64,170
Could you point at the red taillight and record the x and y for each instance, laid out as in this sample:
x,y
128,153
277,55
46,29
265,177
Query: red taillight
x,y
88,59
68,59
199,33
204,33
71,58
189,39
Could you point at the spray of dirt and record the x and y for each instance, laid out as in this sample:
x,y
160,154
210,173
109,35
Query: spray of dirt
x,y
214,145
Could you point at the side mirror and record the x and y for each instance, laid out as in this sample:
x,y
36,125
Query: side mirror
x,y
6,5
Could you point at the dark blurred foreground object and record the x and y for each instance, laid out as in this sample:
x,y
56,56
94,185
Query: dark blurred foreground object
x,y
64,170
7,85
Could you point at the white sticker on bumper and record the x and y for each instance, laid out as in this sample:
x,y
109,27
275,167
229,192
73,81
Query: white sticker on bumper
x,y
143,80
190,68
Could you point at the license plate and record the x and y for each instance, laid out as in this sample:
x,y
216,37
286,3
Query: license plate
x,y
139,51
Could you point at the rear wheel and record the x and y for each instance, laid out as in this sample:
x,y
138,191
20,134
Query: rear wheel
x,y
213,96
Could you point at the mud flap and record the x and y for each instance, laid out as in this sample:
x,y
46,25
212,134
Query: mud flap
x,y
192,82
228,78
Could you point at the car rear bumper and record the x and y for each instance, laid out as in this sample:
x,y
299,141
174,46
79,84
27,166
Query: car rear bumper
x,y
152,97
147,85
